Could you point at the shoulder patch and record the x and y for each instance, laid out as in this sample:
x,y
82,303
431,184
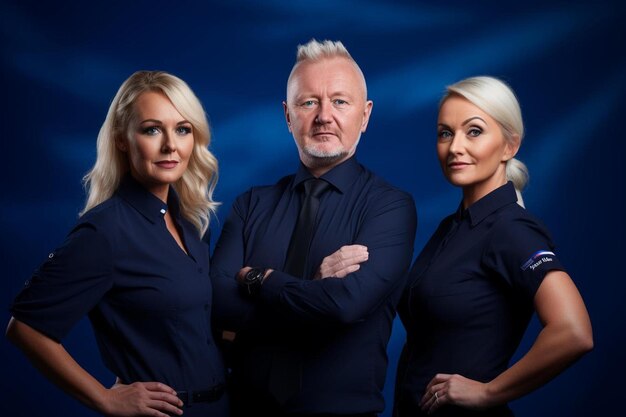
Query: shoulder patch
x,y
537,259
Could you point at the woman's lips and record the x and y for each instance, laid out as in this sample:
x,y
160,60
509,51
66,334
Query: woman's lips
x,y
167,164
457,165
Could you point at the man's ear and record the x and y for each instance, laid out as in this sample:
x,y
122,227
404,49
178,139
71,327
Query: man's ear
x,y
511,147
367,112
287,118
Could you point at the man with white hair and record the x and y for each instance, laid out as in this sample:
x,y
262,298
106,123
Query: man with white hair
x,y
308,271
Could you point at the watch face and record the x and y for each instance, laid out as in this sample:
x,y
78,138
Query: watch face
x,y
253,281
253,275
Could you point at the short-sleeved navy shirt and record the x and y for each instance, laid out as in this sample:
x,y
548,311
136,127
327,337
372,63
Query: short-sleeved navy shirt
x,y
149,302
470,296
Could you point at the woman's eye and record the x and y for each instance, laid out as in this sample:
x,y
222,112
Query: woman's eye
x,y
151,130
445,134
183,130
474,132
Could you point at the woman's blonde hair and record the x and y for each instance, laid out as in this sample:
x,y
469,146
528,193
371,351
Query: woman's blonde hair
x,y
195,187
497,99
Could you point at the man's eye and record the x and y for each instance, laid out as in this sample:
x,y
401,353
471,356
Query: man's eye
x,y
340,102
309,103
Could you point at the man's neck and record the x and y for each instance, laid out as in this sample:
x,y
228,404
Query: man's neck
x,y
317,167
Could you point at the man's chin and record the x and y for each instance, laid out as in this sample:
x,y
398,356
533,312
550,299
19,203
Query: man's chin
x,y
322,152
325,158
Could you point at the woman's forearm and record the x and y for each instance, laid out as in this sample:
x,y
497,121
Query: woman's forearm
x,y
52,360
555,348
565,337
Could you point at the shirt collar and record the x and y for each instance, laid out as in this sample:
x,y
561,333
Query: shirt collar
x,y
495,200
341,177
146,203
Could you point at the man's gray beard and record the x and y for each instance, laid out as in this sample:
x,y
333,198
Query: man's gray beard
x,y
322,159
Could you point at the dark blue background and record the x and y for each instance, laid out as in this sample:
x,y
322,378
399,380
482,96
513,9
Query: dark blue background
x,y
62,62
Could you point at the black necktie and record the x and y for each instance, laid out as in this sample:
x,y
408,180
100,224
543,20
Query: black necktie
x,y
298,251
285,376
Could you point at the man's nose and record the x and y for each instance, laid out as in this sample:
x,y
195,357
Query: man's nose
x,y
324,113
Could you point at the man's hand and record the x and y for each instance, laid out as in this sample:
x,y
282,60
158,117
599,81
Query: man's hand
x,y
345,261
242,273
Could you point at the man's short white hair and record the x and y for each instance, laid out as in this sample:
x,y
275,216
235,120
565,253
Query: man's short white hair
x,y
315,50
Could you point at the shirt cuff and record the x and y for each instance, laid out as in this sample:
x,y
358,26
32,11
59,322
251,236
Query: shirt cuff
x,y
273,286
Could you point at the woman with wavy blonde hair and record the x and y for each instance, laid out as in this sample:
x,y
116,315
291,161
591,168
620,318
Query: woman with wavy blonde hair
x,y
196,185
135,263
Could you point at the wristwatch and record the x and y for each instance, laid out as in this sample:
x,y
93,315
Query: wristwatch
x,y
252,281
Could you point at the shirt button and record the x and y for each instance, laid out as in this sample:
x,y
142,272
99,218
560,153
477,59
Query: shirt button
x,y
162,211
51,255
27,283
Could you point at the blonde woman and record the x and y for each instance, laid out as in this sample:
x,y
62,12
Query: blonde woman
x,y
135,263
487,268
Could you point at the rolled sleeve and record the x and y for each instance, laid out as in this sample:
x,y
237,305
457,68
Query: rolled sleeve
x,y
68,284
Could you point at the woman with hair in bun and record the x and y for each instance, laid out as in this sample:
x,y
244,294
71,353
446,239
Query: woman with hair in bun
x,y
135,264
488,267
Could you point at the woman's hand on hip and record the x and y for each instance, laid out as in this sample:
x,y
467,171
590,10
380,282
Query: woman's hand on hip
x,y
142,399
455,389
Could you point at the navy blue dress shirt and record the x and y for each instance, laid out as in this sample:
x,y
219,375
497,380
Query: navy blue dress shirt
x,y
470,297
148,301
339,326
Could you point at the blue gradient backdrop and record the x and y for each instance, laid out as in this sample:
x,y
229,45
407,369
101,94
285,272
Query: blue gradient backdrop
x,y
63,61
